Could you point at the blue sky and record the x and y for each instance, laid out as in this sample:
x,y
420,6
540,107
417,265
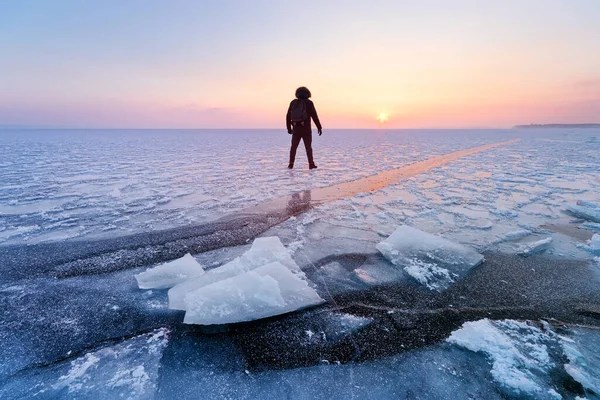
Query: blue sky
x,y
236,63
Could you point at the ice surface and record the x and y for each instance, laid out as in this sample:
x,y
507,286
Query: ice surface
x,y
170,274
85,185
216,369
432,260
535,247
271,289
264,250
125,370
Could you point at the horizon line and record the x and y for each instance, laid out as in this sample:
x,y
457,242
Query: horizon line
x,y
379,128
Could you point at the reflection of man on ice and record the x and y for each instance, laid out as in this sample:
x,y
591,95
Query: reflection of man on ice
x,y
298,117
297,204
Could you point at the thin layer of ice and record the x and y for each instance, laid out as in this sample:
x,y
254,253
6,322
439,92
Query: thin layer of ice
x,y
595,243
170,274
264,250
583,352
432,260
127,370
585,210
266,291
535,247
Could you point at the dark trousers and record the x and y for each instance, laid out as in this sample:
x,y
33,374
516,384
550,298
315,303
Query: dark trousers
x,y
306,137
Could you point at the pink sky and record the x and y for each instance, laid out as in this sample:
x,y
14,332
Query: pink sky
x,y
428,64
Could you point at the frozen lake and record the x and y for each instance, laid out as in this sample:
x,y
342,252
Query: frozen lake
x,y
422,316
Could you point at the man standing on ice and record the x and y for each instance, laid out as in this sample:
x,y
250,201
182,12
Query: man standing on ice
x,y
298,117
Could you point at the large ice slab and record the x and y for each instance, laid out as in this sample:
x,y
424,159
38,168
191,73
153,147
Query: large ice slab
x,y
263,251
585,210
432,260
170,274
271,289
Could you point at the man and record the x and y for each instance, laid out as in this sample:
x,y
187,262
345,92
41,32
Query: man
x,y
298,117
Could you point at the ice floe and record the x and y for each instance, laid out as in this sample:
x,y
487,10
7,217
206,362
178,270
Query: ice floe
x,y
268,290
263,282
170,274
432,260
585,210
264,250
595,244
535,247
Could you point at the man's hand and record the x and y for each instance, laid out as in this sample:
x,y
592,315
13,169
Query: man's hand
x,y
320,132
290,131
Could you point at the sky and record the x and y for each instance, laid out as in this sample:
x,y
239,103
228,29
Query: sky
x,y
237,63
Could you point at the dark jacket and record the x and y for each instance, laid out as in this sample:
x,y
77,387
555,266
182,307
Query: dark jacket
x,y
312,113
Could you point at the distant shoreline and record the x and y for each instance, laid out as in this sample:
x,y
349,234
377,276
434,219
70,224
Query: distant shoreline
x,y
533,126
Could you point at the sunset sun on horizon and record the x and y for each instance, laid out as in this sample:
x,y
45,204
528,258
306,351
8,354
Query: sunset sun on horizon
x,y
383,117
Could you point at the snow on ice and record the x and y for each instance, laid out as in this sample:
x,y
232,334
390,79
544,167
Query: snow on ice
x,y
524,355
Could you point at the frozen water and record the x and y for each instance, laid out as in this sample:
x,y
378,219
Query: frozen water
x,y
66,184
264,250
271,289
595,243
535,247
512,368
262,282
70,186
170,274
582,349
124,370
525,357
432,260
585,210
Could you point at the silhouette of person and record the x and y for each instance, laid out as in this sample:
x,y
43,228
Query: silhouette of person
x,y
301,129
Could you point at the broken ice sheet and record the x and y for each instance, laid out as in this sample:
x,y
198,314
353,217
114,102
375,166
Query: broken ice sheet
x,y
585,210
531,248
432,260
264,250
170,274
266,291
595,244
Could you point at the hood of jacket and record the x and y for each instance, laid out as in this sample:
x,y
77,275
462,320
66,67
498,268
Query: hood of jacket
x,y
302,93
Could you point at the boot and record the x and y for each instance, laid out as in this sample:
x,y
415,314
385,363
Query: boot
x,y
312,166
290,166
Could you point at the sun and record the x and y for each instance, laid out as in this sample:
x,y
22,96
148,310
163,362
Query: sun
x,y
383,117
